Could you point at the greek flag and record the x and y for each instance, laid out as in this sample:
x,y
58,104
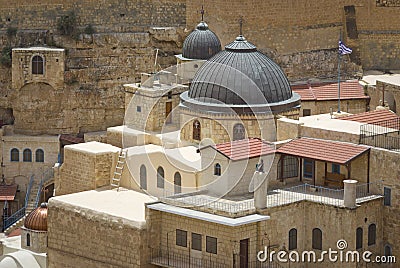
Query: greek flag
x,y
343,50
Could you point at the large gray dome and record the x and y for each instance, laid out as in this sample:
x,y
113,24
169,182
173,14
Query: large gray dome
x,y
240,75
201,44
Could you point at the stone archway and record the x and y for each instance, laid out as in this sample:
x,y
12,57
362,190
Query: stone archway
x,y
39,109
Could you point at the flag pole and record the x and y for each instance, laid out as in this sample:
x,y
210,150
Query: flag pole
x,y
339,58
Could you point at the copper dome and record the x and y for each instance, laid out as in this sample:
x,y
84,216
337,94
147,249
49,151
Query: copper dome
x,y
37,219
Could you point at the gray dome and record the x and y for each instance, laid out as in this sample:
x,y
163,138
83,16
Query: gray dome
x,y
201,44
240,75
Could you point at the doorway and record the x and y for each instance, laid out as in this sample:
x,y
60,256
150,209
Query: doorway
x,y
168,110
244,253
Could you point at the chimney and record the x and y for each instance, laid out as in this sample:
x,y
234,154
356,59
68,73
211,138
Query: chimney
x,y
350,193
260,184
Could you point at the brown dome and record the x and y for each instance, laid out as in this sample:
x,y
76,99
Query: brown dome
x,y
37,219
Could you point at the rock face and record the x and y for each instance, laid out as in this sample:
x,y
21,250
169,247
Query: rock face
x,y
83,90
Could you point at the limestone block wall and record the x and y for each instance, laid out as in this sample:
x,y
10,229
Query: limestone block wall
x,y
219,127
319,133
384,166
323,107
86,166
86,238
38,240
146,107
53,71
21,171
334,223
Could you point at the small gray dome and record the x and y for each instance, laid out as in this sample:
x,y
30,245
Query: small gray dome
x,y
201,44
240,75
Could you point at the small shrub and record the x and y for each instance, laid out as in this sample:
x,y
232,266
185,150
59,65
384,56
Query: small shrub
x,y
11,31
89,29
5,56
66,25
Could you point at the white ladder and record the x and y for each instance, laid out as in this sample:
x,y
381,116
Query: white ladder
x,y
115,181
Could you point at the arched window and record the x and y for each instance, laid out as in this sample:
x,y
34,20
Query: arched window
x,y
371,234
388,250
160,177
177,183
238,132
28,240
292,239
359,238
39,155
27,155
37,65
217,169
143,177
14,155
196,130
317,239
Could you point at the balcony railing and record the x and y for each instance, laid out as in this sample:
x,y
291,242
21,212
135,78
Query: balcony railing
x,y
167,258
278,197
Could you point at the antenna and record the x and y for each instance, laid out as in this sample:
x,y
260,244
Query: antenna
x,y
202,12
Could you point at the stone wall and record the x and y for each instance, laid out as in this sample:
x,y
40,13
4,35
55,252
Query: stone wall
x,y
334,223
85,238
384,166
97,64
21,171
86,166
353,106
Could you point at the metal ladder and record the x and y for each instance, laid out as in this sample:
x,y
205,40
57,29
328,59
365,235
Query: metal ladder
x,y
115,181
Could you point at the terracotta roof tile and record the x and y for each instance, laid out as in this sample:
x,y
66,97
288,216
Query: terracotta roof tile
x,y
244,149
329,91
382,118
7,192
323,150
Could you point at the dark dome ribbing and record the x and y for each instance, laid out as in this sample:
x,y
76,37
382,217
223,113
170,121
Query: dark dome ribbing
x,y
220,79
201,44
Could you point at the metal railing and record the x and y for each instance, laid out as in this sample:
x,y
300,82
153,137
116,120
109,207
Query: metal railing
x,y
10,220
46,176
369,189
383,134
317,194
168,258
278,197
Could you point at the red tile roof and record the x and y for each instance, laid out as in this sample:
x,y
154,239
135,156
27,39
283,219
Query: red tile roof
x,y
7,192
15,232
323,150
382,118
244,149
329,91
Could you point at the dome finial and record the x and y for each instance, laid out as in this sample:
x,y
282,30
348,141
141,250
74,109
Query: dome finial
x,y
202,12
241,25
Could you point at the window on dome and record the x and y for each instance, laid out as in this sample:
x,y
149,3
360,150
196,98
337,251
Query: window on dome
x,y
196,130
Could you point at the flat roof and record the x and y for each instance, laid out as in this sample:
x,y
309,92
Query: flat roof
x,y
194,214
184,155
326,122
126,205
323,150
93,147
39,48
387,78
